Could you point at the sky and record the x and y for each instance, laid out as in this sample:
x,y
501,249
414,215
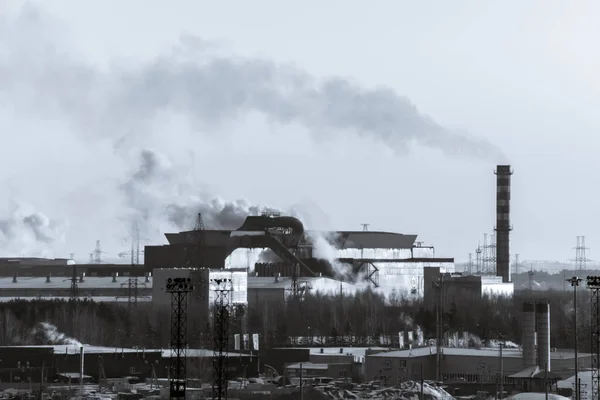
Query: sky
x,y
394,115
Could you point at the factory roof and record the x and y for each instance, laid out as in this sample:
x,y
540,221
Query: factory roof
x,y
469,352
89,349
343,239
375,240
36,282
97,299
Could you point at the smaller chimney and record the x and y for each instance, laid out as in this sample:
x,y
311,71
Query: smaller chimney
x,y
81,366
114,276
48,278
81,280
14,278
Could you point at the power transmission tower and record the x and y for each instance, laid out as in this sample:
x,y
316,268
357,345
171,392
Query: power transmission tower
x,y
222,288
489,257
179,288
593,283
581,253
365,227
96,255
478,259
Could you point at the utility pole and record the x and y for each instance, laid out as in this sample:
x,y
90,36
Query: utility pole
x,y
574,281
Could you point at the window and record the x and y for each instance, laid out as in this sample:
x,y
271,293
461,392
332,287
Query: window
x,y
388,364
402,363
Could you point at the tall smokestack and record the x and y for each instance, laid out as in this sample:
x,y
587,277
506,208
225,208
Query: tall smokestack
x,y
529,356
542,316
503,228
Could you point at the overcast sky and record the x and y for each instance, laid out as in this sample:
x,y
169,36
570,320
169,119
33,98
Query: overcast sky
x,y
518,75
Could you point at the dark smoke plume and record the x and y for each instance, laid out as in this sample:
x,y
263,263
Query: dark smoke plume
x,y
210,89
154,175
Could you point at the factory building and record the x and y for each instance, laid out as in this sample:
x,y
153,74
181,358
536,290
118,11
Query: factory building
x,y
483,365
275,246
27,364
461,364
462,289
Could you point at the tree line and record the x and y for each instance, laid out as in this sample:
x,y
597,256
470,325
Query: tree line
x,y
350,319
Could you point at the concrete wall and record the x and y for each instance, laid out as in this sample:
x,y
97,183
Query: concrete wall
x,y
260,297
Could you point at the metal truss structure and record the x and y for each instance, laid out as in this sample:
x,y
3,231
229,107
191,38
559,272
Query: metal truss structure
x,y
371,271
222,289
179,289
593,282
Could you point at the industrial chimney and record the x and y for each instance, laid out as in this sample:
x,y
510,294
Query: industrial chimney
x,y
503,228
529,355
542,316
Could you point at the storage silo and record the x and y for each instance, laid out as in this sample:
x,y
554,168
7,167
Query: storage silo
x,y
529,353
542,316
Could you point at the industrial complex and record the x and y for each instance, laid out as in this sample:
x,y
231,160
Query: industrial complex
x,y
272,259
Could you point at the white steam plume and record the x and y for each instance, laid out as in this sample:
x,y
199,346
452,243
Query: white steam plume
x,y
46,333
27,231
324,249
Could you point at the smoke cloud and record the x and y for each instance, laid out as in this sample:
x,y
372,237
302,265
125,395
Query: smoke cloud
x,y
324,249
155,190
46,333
209,88
196,88
31,232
